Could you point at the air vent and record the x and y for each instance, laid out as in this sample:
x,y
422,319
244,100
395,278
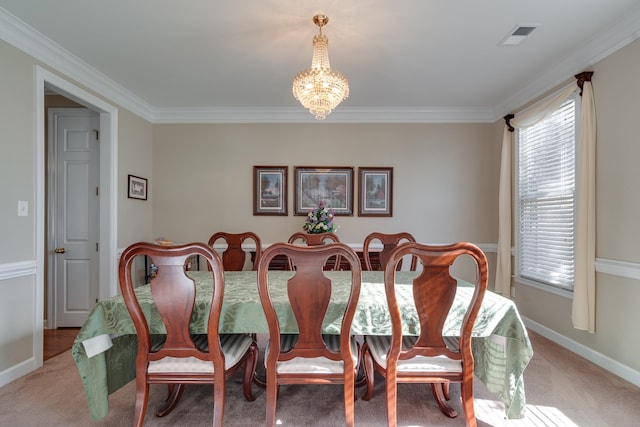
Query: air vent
x,y
517,35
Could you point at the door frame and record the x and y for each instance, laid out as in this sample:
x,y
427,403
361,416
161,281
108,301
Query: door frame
x,y
107,259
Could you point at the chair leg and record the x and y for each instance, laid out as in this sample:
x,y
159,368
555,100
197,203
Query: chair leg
x,y
272,396
218,400
369,374
173,397
249,370
392,397
258,378
360,378
259,381
349,398
438,394
142,398
466,393
445,391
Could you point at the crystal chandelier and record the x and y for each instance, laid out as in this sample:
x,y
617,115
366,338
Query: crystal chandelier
x,y
319,88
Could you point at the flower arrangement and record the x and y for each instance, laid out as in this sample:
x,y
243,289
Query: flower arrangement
x,y
320,220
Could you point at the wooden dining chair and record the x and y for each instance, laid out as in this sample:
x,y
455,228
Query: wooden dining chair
x,y
430,357
389,243
179,357
234,257
309,357
300,238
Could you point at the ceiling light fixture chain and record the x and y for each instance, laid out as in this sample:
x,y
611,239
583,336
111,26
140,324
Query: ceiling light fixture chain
x,y
319,88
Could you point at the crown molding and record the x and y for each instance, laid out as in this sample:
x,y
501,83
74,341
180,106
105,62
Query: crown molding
x,y
27,39
30,41
342,115
592,51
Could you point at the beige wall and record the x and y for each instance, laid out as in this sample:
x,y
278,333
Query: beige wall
x,y
17,136
17,182
444,189
618,211
618,184
134,158
444,179
18,287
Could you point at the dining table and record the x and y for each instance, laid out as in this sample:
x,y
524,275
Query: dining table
x,y
105,349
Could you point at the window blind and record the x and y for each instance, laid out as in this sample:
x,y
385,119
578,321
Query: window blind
x,y
546,198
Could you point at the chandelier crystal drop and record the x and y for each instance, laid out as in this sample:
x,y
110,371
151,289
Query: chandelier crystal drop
x,y
319,88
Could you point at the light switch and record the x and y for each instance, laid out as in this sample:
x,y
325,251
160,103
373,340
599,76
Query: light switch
x,y
23,208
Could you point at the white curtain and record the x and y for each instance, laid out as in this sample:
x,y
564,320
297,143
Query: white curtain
x,y
584,290
583,309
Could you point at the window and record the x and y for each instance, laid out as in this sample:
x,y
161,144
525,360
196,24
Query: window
x,y
546,199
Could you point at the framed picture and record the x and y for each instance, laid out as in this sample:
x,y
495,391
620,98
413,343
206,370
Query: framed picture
x,y
137,187
333,186
376,191
270,190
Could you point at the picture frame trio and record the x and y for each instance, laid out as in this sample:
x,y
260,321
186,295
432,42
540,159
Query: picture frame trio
x,y
333,186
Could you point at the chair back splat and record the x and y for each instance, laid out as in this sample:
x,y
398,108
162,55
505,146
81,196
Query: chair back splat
x,y
178,357
430,357
318,239
389,243
309,356
234,256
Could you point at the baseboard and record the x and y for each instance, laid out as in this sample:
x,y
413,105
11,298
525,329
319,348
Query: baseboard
x,y
17,371
605,362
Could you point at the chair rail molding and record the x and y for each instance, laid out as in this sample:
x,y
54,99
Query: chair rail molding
x,y
486,247
627,269
17,269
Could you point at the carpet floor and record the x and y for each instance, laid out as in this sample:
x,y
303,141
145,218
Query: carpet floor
x,y
562,389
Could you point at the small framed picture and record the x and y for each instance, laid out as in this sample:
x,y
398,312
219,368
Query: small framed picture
x,y
333,186
137,187
270,190
375,191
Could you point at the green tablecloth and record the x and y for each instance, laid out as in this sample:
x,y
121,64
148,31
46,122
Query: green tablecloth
x,y
501,348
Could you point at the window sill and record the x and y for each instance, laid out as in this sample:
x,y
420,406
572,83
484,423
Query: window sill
x,y
546,288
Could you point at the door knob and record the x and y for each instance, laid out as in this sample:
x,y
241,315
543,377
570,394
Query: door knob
x,y
59,250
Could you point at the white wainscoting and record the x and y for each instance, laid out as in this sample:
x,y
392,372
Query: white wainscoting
x,y
8,272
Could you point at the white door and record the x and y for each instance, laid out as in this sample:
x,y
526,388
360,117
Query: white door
x,y
74,213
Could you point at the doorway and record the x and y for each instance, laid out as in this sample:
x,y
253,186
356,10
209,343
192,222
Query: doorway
x,y
48,82
57,341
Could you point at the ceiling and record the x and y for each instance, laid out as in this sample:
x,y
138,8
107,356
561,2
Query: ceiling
x,y
234,61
